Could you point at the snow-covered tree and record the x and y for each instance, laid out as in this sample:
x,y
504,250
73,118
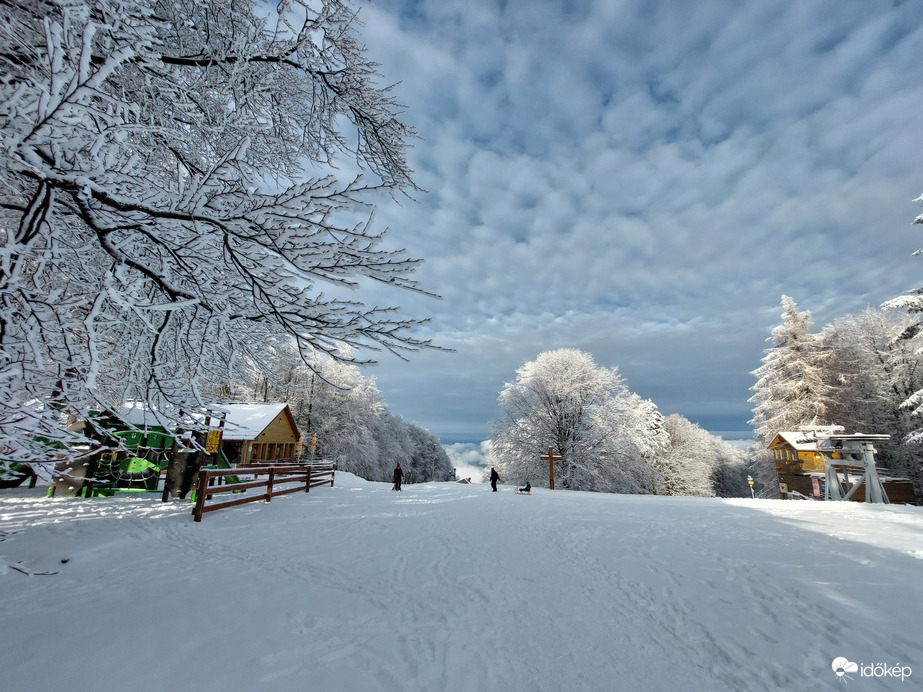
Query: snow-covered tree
x,y
168,200
699,463
876,373
762,466
428,460
641,438
730,469
564,400
688,462
342,406
421,455
861,372
912,303
791,387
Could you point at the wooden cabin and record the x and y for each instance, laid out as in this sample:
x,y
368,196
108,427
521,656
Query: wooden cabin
x,y
259,432
801,469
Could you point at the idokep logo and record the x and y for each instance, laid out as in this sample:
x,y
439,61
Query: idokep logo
x,y
842,667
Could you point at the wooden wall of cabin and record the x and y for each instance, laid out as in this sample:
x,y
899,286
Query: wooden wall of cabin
x,y
270,451
899,492
797,482
279,431
790,461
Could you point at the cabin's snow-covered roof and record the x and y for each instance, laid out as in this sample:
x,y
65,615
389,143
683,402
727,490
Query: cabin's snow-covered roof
x,y
243,422
800,441
246,421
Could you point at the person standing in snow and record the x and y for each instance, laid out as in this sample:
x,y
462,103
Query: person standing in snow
x,y
494,477
398,477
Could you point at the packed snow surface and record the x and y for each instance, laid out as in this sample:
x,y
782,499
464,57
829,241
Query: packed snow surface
x,y
446,586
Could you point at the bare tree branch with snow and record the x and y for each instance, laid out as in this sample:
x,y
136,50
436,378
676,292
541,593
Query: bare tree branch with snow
x,y
161,210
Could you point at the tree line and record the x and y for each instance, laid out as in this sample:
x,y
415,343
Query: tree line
x,y
609,438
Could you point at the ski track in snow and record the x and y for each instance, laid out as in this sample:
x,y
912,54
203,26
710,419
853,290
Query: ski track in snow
x,y
453,587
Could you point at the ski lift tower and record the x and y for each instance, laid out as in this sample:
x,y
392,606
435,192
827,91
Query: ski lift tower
x,y
856,449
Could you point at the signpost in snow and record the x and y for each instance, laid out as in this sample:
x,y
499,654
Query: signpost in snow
x,y
750,481
551,457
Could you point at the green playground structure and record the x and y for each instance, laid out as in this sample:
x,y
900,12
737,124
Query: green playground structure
x,y
130,475
134,466
132,457
223,463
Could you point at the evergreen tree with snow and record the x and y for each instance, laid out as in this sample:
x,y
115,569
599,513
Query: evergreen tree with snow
x,y
791,387
912,303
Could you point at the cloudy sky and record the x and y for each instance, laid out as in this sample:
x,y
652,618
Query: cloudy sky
x,y
644,180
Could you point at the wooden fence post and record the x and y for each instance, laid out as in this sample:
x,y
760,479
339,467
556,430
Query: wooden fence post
x,y
307,481
200,495
272,476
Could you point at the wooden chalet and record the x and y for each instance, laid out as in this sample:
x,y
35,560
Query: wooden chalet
x,y
801,469
254,433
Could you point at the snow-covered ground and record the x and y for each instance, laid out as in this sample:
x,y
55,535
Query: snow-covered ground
x,y
452,587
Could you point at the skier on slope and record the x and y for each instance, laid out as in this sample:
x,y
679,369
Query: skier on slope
x,y
494,477
398,477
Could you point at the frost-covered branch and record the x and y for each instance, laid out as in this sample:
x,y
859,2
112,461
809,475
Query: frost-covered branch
x,y
156,218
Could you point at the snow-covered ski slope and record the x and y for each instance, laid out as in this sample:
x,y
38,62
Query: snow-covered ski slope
x,y
453,587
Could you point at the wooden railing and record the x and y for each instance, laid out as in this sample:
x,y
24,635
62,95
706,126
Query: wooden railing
x,y
281,461
277,480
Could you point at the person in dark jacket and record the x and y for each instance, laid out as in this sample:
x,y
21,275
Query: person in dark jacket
x,y
398,477
494,477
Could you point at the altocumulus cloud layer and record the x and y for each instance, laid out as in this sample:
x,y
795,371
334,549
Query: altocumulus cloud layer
x,y
643,180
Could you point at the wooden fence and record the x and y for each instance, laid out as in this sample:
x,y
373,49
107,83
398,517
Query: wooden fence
x,y
277,480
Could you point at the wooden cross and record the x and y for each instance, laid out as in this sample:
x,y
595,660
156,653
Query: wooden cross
x,y
551,457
